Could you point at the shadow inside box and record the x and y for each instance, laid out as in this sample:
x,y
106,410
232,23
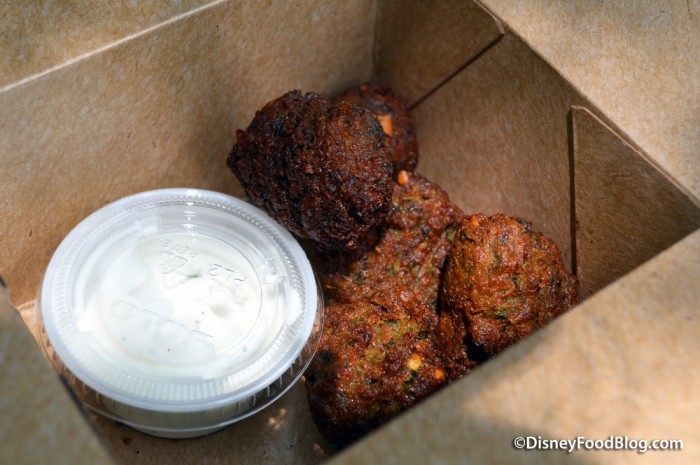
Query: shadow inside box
x,y
283,432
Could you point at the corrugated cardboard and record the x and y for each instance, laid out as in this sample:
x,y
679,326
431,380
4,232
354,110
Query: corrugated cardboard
x,y
533,110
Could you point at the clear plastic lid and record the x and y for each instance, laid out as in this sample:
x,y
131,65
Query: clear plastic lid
x,y
180,301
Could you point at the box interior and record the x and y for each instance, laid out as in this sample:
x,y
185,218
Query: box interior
x,y
499,128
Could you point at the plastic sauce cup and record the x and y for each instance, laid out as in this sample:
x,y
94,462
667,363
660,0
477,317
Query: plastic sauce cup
x,y
179,311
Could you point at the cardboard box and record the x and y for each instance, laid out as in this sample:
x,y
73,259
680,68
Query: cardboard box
x,y
582,118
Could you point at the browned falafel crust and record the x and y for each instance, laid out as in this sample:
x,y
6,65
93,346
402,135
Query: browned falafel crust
x,y
320,169
375,359
409,250
507,280
393,113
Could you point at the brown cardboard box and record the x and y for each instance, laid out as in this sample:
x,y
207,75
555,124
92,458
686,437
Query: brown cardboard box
x,y
580,117
41,435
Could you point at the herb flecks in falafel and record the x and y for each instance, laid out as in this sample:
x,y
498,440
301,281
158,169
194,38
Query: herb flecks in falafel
x,y
506,279
376,358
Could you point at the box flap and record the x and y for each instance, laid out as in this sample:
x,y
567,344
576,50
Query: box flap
x,y
637,62
627,211
40,422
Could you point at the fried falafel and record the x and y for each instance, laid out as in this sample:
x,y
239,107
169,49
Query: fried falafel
x,y
318,168
506,279
392,111
415,289
375,359
410,249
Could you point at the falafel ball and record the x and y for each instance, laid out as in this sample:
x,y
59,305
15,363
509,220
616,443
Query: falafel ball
x,y
506,279
375,359
393,113
320,169
410,249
